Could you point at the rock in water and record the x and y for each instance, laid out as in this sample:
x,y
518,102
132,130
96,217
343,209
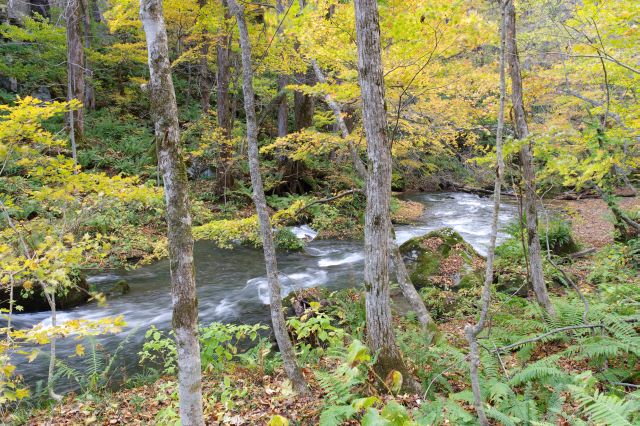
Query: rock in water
x,y
443,259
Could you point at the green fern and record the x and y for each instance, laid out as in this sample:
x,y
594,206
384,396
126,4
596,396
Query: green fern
x,y
605,409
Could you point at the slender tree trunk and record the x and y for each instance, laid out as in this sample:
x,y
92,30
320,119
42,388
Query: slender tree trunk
x,y
283,108
51,299
224,106
89,100
377,233
75,61
404,280
205,73
472,331
526,159
72,130
164,111
277,316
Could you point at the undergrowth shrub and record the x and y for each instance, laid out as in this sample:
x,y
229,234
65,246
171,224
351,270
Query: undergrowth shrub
x,y
219,344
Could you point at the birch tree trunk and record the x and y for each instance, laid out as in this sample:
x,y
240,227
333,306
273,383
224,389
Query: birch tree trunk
x,y
277,316
404,280
164,111
75,61
526,159
377,232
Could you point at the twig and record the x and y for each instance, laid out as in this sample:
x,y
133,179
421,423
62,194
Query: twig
x,y
548,333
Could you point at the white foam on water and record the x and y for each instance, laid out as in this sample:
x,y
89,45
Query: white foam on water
x,y
304,232
351,258
158,319
405,234
456,221
224,308
101,278
478,231
288,283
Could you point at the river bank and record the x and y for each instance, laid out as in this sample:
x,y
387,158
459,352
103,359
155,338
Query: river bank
x,y
261,394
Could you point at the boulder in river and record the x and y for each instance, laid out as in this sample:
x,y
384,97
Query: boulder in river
x,y
115,288
443,259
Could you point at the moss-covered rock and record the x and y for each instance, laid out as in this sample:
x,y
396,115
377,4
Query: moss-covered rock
x,y
442,258
110,289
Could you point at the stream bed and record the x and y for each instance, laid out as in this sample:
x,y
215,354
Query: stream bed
x,y
232,285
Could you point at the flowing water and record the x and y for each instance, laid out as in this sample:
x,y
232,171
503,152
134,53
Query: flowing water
x,y
232,286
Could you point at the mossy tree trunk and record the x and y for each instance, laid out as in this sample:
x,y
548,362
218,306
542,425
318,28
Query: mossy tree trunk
x,y
277,316
164,111
526,160
377,233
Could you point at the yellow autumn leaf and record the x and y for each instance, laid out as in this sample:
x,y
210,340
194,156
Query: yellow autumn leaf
x,y
278,421
79,350
22,393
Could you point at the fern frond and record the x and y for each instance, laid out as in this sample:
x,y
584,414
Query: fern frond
x,y
605,409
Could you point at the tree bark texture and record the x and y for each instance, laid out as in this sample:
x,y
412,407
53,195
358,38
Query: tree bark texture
x,y
526,159
164,111
303,104
377,234
277,316
75,61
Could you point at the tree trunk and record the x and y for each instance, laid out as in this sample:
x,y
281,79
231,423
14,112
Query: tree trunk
x,y
526,158
283,109
472,331
89,93
404,280
164,111
205,74
303,104
224,106
51,299
75,61
277,316
377,233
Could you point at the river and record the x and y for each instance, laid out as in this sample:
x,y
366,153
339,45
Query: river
x,y
232,285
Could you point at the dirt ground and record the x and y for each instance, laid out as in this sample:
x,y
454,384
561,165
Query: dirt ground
x,y
592,220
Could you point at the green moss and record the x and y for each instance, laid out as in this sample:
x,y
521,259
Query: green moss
x,y
442,258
